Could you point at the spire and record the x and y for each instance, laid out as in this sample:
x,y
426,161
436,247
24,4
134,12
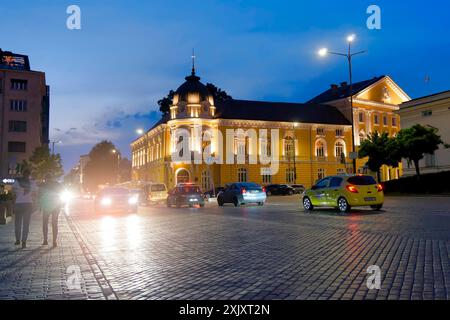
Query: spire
x,y
193,62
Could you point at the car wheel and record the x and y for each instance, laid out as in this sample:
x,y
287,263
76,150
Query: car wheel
x,y
307,205
343,205
268,193
236,202
377,207
220,202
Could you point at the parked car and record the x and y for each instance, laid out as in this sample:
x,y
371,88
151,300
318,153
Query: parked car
x,y
153,193
279,189
116,199
213,192
298,188
185,195
344,192
242,193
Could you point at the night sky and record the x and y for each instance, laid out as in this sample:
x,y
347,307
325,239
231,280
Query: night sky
x,y
107,77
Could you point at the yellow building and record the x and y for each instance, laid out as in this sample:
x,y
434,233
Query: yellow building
x,y
375,103
212,143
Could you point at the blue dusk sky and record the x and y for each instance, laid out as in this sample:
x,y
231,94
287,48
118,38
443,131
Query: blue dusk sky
x,y
107,77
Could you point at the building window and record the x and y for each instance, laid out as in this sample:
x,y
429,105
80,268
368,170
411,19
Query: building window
x,y
384,121
290,175
361,116
339,149
362,136
267,178
376,120
206,180
394,121
17,84
320,173
427,113
320,131
17,126
242,175
18,105
289,147
266,148
14,146
320,148
339,133
340,171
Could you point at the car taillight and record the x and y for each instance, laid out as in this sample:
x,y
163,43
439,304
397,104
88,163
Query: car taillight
x,y
379,187
264,189
243,191
351,188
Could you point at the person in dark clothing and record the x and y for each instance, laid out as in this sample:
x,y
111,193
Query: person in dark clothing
x,y
50,205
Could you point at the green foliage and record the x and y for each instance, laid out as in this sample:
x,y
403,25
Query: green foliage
x,y
417,141
217,93
103,166
166,102
42,164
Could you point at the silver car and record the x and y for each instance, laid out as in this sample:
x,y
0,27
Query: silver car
x,y
242,193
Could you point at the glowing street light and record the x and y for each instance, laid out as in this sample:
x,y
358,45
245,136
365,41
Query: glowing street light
x,y
323,52
140,131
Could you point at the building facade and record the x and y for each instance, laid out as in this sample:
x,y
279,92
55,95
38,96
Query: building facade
x,y
375,103
24,111
433,111
212,143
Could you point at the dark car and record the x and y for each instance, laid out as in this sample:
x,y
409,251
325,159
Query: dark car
x,y
185,195
116,199
298,188
279,189
242,193
213,192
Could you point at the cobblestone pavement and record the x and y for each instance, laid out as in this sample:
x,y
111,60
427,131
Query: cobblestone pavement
x,y
273,252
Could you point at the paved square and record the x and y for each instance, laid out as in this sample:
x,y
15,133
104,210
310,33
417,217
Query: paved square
x,y
273,252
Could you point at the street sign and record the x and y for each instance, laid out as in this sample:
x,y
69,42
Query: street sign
x,y
353,155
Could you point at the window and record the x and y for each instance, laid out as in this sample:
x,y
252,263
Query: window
x,y
320,173
14,146
290,175
376,119
394,121
18,105
384,121
427,113
335,182
289,147
339,133
362,136
339,149
361,116
206,180
320,148
266,147
242,175
322,183
267,178
17,84
361,180
17,126
320,131
340,171
240,146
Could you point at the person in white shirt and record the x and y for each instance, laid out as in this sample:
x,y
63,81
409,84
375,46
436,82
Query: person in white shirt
x,y
25,195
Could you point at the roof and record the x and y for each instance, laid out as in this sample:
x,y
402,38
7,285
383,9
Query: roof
x,y
344,91
428,98
279,111
192,85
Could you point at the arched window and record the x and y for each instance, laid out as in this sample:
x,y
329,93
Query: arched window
x,y
321,148
182,176
289,147
206,180
339,148
362,136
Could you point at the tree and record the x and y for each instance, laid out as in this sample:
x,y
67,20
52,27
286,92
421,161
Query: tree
x,y
166,102
42,164
103,166
417,141
217,93
381,150
125,170
73,177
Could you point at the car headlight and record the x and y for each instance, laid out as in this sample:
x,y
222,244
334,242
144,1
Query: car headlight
x,y
133,200
66,196
106,201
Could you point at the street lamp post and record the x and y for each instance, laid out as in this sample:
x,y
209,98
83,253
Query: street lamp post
x,y
118,163
324,51
53,145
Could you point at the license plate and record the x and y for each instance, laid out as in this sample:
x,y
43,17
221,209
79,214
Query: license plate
x,y
370,199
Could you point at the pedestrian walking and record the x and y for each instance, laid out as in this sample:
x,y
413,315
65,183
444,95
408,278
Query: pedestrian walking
x,y
50,205
25,196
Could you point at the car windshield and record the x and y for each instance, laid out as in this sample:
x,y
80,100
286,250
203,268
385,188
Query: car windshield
x,y
361,180
158,187
115,191
250,186
189,189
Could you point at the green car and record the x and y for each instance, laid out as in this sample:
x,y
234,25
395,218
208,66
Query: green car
x,y
344,192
